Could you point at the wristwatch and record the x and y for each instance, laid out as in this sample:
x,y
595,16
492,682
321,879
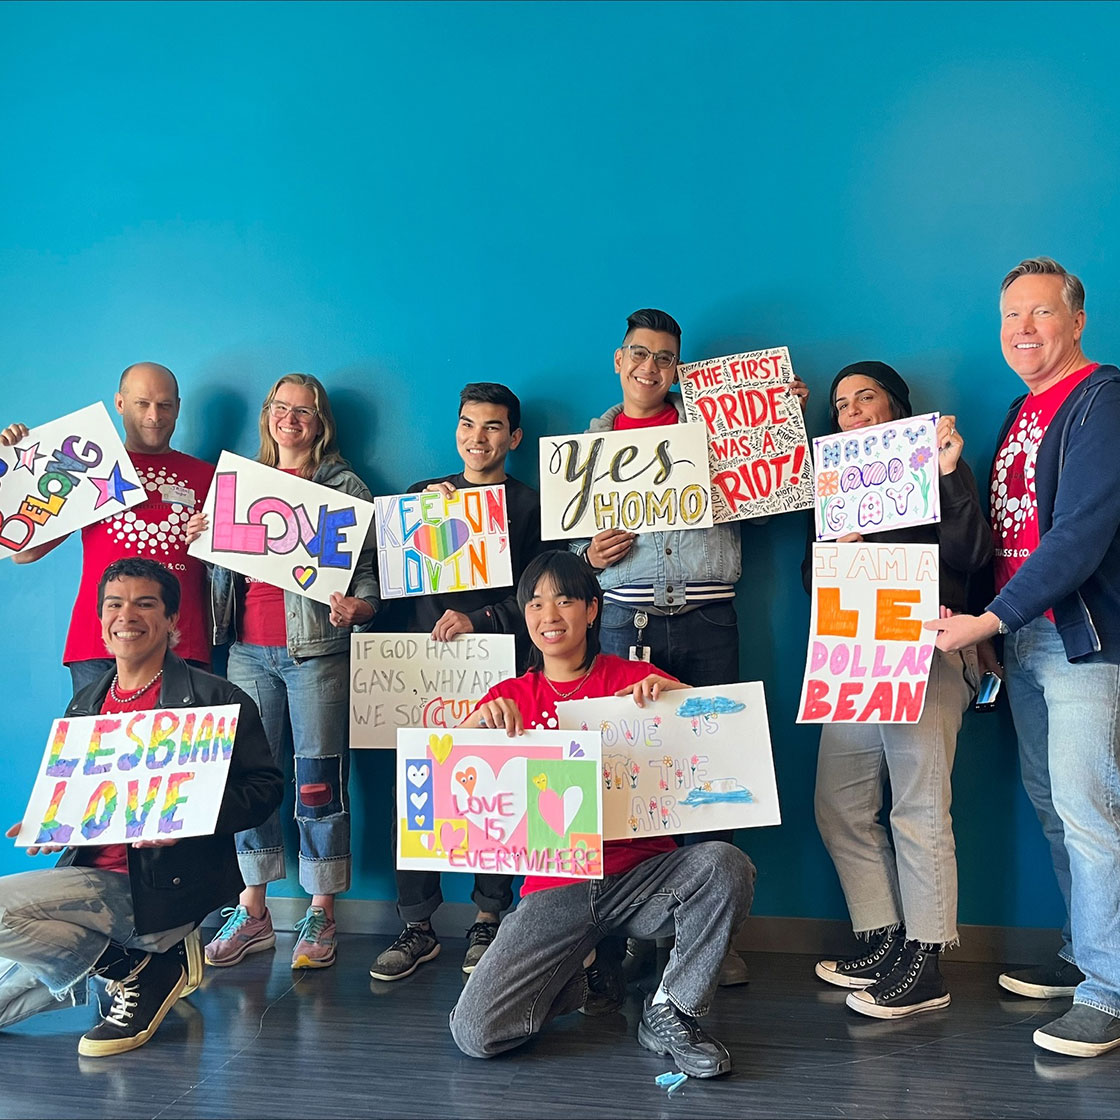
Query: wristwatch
x,y
1003,627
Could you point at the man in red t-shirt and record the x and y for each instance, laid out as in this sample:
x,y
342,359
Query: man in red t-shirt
x,y
176,484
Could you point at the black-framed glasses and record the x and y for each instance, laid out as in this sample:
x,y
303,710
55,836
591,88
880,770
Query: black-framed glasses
x,y
280,409
664,359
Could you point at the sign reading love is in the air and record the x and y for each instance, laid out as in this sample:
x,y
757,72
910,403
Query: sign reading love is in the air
x,y
474,800
431,542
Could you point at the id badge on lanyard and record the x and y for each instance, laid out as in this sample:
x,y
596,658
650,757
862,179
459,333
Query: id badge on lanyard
x,y
639,651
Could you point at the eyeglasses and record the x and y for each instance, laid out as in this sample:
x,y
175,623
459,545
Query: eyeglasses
x,y
279,409
664,359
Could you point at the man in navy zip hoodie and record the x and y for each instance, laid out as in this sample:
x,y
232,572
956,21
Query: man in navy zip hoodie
x,y
1056,516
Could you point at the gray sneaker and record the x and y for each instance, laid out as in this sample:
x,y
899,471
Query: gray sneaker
x,y
1082,1032
733,970
1043,981
414,946
479,938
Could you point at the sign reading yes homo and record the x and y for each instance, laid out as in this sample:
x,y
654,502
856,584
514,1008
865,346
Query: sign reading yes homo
x,y
63,476
282,529
756,434
114,779
869,655
641,480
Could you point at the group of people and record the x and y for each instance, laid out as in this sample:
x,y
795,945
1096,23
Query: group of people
x,y
615,615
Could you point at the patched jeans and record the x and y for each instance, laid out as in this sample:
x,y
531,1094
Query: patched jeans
x,y
307,700
534,970
54,925
1066,717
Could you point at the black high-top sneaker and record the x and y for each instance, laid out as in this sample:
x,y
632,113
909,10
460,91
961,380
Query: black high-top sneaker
x,y
916,984
139,1002
875,965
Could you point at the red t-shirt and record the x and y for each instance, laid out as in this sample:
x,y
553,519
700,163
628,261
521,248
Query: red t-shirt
x,y
536,701
668,415
262,613
156,528
114,857
1014,504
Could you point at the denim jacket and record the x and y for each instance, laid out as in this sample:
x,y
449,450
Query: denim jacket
x,y
308,623
671,559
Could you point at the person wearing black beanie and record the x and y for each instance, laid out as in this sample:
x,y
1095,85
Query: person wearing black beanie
x,y
898,391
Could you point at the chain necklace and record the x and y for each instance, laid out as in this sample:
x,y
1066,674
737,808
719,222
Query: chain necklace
x,y
131,693
572,691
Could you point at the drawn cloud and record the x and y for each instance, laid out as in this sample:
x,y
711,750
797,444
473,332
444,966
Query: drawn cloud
x,y
719,791
709,706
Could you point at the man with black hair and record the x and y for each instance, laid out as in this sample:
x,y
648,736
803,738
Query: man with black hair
x,y
489,429
121,912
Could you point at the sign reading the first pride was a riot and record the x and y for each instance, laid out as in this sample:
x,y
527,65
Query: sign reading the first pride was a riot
x,y
869,654
63,476
115,779
640,479
756,434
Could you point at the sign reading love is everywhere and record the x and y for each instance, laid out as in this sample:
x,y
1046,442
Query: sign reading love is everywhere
x,y
430,542
479,801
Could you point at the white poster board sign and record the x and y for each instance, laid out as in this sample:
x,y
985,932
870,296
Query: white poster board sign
x,y
696,760
115,779
641,480
879,478
281,529
869,657
63,476
757,445
411,680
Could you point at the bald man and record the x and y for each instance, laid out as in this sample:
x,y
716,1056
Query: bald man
x,y
148,400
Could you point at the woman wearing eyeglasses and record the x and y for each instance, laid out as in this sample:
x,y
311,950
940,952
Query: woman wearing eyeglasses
x,y
292,655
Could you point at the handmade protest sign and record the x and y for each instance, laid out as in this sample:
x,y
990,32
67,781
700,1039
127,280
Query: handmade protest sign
x,y
694,760
429,543
877,478
640,480
63,476
481,801
115,779
411,680
757,447
869,657
281,529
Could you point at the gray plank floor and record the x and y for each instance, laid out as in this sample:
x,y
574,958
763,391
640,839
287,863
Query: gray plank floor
x,y
260,1040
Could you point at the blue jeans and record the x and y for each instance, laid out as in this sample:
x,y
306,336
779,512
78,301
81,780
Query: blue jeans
x,y
1066,717
310,699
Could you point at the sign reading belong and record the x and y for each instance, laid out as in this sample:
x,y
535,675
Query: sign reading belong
x,y
641,480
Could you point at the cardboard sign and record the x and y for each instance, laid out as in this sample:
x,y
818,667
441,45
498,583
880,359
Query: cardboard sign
x,y
757,447
428,543
115,779
481,801
696,760
281,529
641,480
878,478
64,476
411,680
869,658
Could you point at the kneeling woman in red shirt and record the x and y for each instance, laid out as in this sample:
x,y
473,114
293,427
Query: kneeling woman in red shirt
x,y
544,958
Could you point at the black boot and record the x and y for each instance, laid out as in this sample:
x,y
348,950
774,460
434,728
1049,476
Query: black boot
x,y
140,1000
916,984
876,964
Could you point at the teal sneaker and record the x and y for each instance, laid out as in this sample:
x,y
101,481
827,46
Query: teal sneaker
x,y
241,935
315,947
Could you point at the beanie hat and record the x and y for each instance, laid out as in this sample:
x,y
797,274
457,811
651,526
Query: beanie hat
x,y
877,371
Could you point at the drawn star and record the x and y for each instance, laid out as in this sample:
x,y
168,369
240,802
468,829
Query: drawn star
x,y
112,488
28,456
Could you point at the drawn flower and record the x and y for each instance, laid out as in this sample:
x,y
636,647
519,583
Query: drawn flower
x,y
695,760
920,458
667,760
633,823
663,784
828,483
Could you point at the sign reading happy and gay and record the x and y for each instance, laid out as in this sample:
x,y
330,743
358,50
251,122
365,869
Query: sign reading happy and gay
x,y
63,476
284,530
480,801
115,779
430,543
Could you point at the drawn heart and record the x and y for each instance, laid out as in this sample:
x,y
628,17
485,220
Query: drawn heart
x,y
510,781
440,747
419,819
575,750
427,840
451,836
419,800
467,779
440,542
305,577
418,775
559,812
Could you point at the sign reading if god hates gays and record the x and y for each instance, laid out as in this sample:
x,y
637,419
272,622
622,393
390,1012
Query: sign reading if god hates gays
x,y
115,779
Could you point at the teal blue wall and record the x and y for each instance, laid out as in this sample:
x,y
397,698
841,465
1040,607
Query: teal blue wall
x,y
401,198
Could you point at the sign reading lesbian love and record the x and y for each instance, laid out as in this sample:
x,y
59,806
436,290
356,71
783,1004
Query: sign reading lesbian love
x,y
481,801
869,657
758,450
877,478
411,680
641,480
64,476
429,543
695,760
115,779
282,529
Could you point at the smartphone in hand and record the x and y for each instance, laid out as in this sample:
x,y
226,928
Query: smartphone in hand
x,y
988,693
